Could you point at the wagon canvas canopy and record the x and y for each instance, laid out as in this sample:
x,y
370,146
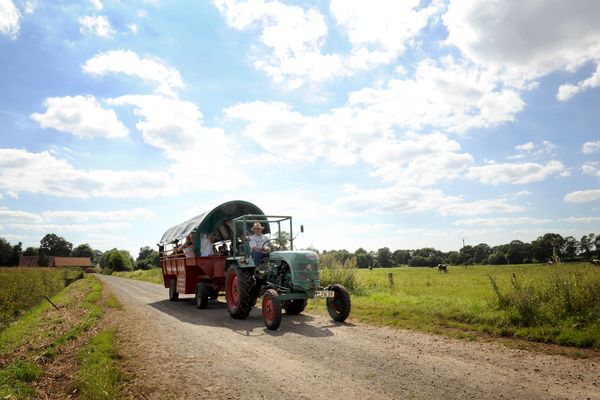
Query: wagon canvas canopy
x,y
216,221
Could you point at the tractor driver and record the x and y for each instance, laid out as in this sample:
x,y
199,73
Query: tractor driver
x,y
256,243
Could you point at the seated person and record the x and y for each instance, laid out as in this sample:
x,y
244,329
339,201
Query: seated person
x,y
206,245
188,247
256,243
223,250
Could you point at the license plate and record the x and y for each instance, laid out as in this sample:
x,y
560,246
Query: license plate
x,y
324,293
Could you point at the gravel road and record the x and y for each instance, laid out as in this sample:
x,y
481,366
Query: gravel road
x,y
177,351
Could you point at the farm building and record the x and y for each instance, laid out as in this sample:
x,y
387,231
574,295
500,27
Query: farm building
x,y
82,262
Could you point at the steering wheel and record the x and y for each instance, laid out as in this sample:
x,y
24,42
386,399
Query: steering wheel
x,y
267,249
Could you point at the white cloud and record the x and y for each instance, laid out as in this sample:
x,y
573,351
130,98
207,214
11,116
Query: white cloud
x,y
515,173
97,4
7,215
295,137
42,173
81,116
591,168
380,30
418,160
583,196
566,91
176,127
150,70
525,39
133,28
393,199
9,19
533,151
292,38
504,221
479,207
29,6
98,25
60,228
114,215
443,94
591,147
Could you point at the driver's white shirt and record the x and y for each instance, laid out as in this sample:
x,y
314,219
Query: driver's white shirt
x,y
258,241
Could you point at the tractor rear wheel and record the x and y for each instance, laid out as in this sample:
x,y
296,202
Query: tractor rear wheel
x,y
173,295
238,292
201,295
339,305
271,308
294,307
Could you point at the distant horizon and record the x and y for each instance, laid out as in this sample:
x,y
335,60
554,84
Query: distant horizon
x,y
383,124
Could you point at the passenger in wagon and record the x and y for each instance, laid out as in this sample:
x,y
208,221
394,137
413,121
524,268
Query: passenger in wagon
x,y
206,245
188,247
256,243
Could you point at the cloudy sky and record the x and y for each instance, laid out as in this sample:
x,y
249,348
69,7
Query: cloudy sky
x,y
374,123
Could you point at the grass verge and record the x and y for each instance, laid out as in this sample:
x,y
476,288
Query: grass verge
x,y
45,340
153,275
99,375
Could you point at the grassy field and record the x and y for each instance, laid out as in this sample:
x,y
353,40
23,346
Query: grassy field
x,y
557,304
153,275
554,304
44,339
23,288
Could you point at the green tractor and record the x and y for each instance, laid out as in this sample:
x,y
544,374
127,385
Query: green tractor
x,y
285,279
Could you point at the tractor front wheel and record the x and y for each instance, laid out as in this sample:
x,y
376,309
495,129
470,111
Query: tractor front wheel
x,y
238,292
339,305
173,295
271,308
201,296
294,307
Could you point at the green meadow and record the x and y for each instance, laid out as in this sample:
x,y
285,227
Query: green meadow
x,y
556,304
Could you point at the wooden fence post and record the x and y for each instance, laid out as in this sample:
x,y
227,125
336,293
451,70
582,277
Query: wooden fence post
x,y
391,278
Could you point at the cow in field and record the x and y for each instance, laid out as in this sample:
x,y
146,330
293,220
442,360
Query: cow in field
x,y
442,267
596,263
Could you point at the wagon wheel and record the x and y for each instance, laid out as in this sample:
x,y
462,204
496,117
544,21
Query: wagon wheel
x,y
173,295
339,305
271,308
238,292
201,295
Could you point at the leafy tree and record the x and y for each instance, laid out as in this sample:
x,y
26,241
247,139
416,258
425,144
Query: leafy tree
x,y
454,258
15,254
569,249
284,237
83,250
401,257
384,257
545,247
31,251
147,258
517,252
419,261
481,252
116,260
5,252
54,245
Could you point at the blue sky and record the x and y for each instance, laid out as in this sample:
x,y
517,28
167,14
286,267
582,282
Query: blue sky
x,y
382,123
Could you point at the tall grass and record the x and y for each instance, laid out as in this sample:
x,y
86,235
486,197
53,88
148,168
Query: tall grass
x,y
565,300
334,270
24,288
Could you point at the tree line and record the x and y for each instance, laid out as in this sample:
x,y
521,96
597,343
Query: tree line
x,y
548,247
57,246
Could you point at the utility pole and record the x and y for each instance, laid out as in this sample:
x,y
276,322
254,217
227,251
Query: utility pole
x,y
463,239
